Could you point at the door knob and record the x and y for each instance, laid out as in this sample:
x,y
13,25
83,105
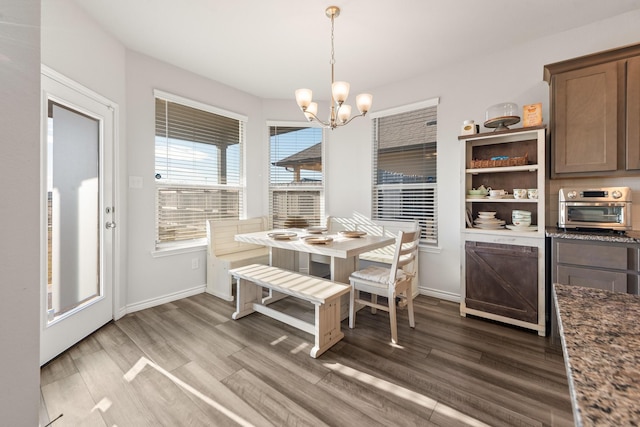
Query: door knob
x,y
110,224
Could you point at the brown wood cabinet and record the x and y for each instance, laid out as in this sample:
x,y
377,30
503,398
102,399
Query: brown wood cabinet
x,y
502,279
633,113
598,265
595,111
593,264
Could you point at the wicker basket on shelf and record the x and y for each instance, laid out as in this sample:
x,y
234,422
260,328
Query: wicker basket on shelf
x,y
512,161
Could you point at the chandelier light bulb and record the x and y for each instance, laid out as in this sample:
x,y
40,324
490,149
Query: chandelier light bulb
x,y
363,102
344,113
303,98
340,91
311,111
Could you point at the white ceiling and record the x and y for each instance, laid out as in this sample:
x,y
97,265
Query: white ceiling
x,y
269,48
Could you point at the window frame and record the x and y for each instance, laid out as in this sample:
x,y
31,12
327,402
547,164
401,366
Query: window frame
x,y
187,245
375,187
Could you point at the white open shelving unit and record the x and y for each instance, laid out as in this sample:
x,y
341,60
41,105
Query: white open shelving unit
x,y
514,304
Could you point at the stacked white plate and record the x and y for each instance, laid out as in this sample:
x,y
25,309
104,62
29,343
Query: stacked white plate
x,y
522,227
488,221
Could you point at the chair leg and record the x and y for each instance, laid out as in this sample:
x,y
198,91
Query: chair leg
x,y
409,298
352,311
392,318
374,299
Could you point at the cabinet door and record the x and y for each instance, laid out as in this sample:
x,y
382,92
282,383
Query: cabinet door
x,y
585,117
590,278
590,254
502,279
633,113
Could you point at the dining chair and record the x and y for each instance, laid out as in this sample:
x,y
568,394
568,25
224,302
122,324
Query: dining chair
x,y
393,282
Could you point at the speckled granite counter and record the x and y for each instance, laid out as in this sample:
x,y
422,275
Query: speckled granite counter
x,y
601,344
631,236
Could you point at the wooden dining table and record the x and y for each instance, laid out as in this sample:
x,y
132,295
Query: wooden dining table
x,y
295,254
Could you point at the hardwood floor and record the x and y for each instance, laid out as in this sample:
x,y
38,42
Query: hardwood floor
x,y
186,363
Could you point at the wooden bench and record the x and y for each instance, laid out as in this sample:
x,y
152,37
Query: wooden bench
x,y
224,253
324,294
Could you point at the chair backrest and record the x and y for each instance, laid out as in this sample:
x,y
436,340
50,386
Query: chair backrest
x,y
335,224
373,227
406,250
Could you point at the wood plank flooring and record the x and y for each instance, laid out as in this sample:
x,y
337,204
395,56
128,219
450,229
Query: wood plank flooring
x,y
186,363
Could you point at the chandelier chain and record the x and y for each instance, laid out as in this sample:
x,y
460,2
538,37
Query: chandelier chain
x,y
333,60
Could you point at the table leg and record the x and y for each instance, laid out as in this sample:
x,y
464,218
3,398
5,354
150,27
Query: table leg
x,y
341,269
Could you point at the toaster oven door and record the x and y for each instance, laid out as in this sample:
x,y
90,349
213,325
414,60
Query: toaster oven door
x,y
596,215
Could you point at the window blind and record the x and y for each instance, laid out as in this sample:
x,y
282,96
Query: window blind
x,y
405,166
198,170
296,188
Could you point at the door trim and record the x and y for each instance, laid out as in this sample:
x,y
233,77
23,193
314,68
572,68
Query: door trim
x,y
116,242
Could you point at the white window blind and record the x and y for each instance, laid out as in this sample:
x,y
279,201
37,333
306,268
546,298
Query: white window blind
x,y
198,170
296,189
405,178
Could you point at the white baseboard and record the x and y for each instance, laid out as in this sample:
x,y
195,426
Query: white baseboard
x,y
435,293
131,308
164,299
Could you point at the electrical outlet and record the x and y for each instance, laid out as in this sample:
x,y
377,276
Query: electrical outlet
x,y
195,263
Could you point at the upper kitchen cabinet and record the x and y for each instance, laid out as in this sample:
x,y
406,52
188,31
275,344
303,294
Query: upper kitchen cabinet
x,y
633,113
595,114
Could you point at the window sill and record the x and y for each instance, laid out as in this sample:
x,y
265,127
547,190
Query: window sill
x,y
170,249
430,249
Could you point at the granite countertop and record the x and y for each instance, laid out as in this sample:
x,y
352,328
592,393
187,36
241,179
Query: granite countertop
x,y
631,236
601,345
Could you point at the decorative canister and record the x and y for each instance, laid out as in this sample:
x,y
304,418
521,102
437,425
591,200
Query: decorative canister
x,y
469,128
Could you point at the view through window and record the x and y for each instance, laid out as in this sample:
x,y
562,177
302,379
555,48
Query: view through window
x,y
405,173
198,152
296,190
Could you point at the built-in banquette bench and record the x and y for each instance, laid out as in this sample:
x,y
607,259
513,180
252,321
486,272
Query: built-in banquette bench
x,y
377,228
324,294
224,253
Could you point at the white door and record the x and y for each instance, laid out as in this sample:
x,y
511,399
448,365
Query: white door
x,y
78,219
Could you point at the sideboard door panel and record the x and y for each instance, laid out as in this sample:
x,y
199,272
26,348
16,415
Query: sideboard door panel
x,y
502,279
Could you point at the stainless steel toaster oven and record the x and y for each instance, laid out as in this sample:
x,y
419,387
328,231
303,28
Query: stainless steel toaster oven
x,y
595,208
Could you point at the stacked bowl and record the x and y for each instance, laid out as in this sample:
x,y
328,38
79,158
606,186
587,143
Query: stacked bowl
x,y
521,218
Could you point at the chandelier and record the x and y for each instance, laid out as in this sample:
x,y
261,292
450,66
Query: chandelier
x,y
340,112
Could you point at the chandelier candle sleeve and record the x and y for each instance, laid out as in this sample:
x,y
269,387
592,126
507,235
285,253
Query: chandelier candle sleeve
x,y
340,112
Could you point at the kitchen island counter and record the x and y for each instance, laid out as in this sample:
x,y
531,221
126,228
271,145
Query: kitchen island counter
x,y
601,346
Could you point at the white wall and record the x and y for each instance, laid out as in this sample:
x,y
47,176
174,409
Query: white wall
x,y
19,211
155,277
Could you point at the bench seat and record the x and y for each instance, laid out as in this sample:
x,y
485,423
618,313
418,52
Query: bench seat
x,y
324,294
224,253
